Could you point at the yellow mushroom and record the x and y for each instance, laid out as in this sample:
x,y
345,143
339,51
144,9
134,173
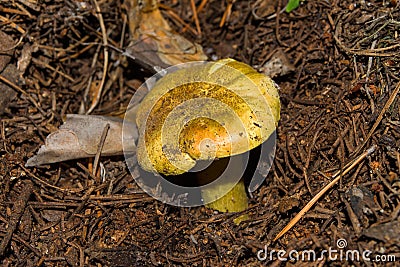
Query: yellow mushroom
x,y
208,111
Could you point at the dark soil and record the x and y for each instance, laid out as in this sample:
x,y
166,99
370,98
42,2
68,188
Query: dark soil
x,y
344,70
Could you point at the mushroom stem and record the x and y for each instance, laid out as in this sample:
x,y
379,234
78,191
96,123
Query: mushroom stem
x,y
236,199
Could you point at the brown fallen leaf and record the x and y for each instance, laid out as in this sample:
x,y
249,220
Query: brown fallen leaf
x,y
153,42
26,57
278,66
6,49
79,137
264,8
7,70
387,232
7,93
361,201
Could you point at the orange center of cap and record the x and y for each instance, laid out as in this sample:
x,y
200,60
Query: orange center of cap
x,y
205,138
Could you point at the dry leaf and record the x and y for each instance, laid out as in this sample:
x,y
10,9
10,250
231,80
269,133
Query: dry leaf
x,y
7,70
264,8
153,42
25,59
79,137
387,232
278,66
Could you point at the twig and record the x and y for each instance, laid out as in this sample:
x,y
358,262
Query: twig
x,y
81,205
305,169
178,20
14,25
42,63
77,54
46,183
87,171
26,12
369,52
100,148
13,11
336,177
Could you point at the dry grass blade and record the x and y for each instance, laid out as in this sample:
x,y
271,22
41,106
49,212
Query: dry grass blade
x,y
105,65
336,177
227,13
195,17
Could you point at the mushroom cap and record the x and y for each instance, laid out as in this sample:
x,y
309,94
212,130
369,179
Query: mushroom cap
x,y
205,111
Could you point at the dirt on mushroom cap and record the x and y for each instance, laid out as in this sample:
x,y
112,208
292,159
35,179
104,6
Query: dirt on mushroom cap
x,y
227,102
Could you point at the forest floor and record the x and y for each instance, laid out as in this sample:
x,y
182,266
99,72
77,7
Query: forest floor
x,y
339,88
